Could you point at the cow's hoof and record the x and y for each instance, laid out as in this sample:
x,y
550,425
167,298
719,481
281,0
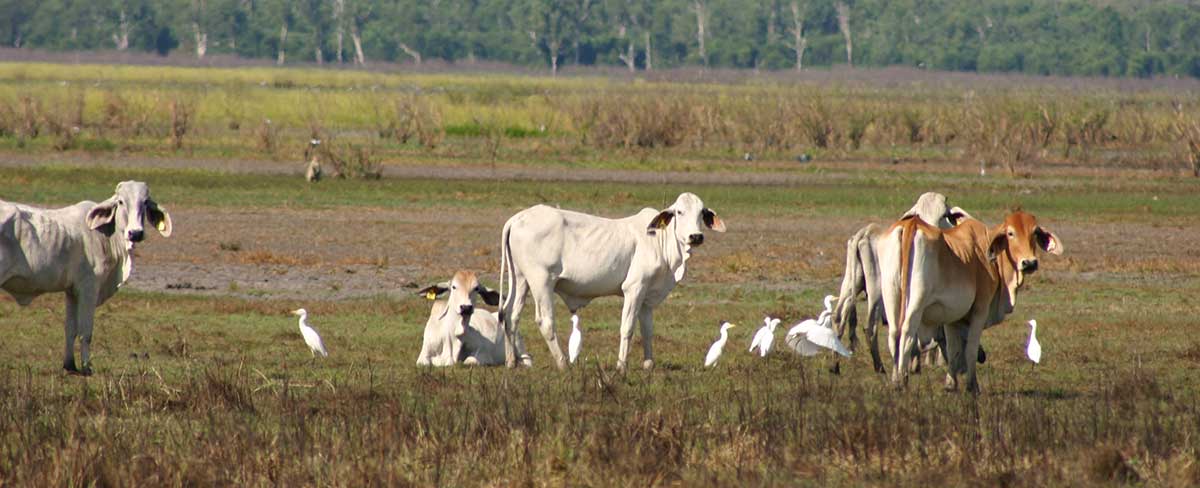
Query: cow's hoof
x,y
79,372
950,385
527,361
836,368
621,366
648,364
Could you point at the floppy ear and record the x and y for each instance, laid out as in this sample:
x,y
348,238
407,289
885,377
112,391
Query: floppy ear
x,y
999,243
956,215
489,296
661,220
432,291
102,214
712,221
1048,241
159,218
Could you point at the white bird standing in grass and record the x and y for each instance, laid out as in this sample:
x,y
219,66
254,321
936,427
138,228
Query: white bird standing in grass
x,y
575,341
310,335
765,337
714,352
808,337
1035,348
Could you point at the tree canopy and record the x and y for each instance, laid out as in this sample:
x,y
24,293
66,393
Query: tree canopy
x,y
1053,37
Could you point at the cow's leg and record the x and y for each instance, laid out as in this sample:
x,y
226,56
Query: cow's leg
x,y
974,333
69,330
954,355
511,317
628,316
543,299
906,342
646,319
871,329
85,311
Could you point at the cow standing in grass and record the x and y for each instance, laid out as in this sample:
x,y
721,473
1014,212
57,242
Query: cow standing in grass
x,y
84,250
965,279
580,257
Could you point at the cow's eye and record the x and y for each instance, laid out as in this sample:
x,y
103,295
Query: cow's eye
x,y
120,203
1010,234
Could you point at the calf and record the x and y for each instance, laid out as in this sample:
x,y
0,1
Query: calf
x,y
458,333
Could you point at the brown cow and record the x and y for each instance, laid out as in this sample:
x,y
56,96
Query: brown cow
x,y
964,277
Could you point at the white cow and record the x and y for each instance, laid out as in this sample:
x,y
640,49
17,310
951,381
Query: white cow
x,y
457,333
580,257
82,250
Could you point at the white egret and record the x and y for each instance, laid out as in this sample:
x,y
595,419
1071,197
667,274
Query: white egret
x,y
310,335
714,352
765,337
1035,348
808,337
575,341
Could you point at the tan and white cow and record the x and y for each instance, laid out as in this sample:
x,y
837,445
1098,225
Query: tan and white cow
x,y
458,333
861,276
964,277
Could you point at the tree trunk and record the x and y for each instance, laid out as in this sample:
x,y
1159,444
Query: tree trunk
x,y
201,40
553,45
282,44
698,6
799,42
843,16
319,55
359,58
628,57
649,61
121,37
411,52
339,6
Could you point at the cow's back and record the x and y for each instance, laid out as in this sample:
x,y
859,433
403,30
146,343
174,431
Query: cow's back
x,y
587,256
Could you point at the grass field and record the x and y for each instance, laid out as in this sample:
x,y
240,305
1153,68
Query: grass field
x,y
203,379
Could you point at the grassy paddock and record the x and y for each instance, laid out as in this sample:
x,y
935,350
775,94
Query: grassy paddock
x,y
1016,127
218,390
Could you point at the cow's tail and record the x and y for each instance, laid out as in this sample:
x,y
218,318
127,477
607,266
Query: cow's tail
x,y
506,301
908,227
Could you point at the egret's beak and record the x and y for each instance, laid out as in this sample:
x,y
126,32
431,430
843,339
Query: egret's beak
x,y
295,312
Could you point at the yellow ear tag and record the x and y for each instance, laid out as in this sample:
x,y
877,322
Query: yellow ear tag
x,y
162,225
431,295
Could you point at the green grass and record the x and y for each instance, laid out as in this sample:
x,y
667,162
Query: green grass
x,y
219,390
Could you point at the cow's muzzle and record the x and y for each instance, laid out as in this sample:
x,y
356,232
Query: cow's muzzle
x,y
466,310
1029,265
136,235
695,239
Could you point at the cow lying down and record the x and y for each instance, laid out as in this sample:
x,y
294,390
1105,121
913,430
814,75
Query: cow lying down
x,y
456,332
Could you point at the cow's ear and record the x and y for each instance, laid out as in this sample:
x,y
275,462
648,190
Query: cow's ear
x,y
159,218
1048,241
104,213
661,220
998,244
712,221
489,296
432,291
956,215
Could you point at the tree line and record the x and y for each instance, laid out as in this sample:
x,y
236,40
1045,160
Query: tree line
x,y
1049,37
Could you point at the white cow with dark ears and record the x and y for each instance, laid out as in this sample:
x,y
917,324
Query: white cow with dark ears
x,y
547,251
83,250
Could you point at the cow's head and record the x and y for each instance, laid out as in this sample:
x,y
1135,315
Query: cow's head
x,y
460,293
126,211
1014,246
688,214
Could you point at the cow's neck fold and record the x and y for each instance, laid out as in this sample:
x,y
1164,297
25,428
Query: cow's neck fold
x,y
673,252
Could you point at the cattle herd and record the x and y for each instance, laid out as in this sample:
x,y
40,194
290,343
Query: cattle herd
x,y
937,275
